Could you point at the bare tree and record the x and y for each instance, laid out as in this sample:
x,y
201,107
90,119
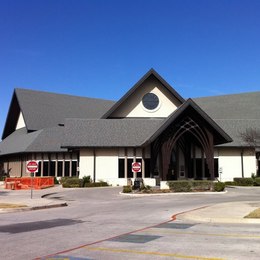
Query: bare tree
x,y
251,137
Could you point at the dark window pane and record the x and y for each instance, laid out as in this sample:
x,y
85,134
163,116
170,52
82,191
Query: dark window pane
x,y
139,174
121,168
67,169
38,173
45,168
147,173
59,174
129,168
52,168
74,168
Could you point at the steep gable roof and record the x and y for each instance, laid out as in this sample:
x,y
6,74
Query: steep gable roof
x,y
150,73
190,108
43,109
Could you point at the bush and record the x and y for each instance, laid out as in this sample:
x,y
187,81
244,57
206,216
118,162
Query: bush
x,y
244,181
219,186
257,181
180,186
95,184
230,183
127,189
86,179
56,181
201,185
72,182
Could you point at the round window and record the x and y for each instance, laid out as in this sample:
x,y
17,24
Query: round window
x,y
150,101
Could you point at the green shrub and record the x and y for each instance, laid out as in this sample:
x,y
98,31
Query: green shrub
x,y
180,186
244,181
72,182
257,181
63,179
56,181
230,183
219,186
201,185
127,189
95,184
86,179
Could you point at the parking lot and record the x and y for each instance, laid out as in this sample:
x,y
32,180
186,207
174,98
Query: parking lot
x,y
101,224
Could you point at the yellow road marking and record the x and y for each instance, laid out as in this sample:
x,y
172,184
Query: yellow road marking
x,y
202,234
114,250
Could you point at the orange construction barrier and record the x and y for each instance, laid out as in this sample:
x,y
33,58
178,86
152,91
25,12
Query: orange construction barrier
x,y
26,183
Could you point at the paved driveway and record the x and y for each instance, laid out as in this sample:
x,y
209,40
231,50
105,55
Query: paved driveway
x,y
101,224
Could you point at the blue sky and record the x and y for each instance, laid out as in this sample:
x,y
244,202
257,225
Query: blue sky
x,y
98,48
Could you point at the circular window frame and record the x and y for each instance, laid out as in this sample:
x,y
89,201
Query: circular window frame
x,y
151,110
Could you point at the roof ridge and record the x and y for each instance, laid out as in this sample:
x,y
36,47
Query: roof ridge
x,y
230,94
59,94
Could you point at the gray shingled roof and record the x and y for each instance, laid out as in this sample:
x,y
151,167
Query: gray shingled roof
x,y
234,113
129,132
45,140
108,132
236,106
44,109
237,126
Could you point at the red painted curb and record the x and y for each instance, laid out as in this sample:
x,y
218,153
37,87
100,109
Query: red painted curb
x,y
173,218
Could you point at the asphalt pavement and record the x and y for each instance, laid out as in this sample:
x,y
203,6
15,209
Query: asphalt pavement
x,y
228,212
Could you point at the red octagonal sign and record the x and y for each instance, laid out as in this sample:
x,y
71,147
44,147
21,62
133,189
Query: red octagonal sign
x,y
136,167
32,166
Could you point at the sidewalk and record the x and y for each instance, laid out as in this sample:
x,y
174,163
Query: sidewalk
x,y
23,198
229,212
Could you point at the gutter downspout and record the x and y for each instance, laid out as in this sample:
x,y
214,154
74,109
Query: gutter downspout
x,y
94,166
242,163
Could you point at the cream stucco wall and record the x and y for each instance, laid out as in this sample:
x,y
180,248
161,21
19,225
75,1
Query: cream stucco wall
x,y
86,163
107,165
134,108
20,122
230,163
106,161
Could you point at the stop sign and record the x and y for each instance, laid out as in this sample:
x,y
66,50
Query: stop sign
x,y
136,167
32,166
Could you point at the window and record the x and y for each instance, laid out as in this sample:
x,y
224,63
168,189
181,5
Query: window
x,y
52,168
121,168
45,169
74,168
129,168
38,173
147,173
67,169
150,101
59,173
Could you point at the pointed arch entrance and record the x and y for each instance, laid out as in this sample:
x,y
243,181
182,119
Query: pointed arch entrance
x,y
184,146
175,150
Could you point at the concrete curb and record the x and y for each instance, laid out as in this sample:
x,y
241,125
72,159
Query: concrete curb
x,y
33,208
50,206
171,193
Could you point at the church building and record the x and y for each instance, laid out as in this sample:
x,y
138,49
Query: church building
x,y
171,137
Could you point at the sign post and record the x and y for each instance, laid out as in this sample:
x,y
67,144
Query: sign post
x,y
32,167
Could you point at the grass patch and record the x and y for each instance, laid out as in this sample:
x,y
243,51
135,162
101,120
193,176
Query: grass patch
x,y
11,206
254,214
